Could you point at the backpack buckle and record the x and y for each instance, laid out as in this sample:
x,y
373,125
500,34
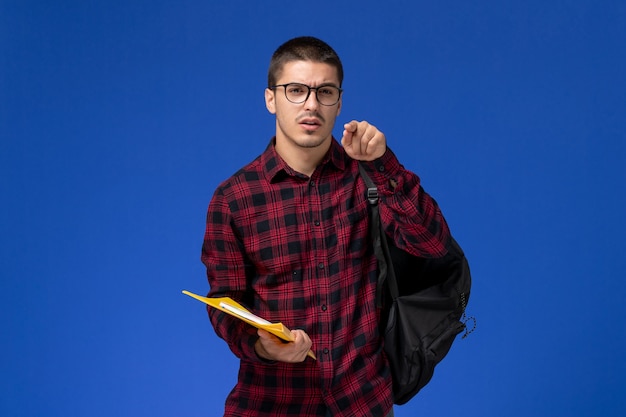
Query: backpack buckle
x,y
372,196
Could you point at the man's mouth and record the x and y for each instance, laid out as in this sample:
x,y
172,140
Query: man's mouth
x,y
310,123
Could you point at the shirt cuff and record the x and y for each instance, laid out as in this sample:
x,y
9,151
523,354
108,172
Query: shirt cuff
x,y
247,347
383,169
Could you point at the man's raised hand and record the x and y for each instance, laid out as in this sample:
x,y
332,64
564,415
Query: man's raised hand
x,y
363,141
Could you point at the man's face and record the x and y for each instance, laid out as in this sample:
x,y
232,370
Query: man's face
x,y
308,124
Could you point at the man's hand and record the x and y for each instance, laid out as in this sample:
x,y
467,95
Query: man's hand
x,y
272,348
363,141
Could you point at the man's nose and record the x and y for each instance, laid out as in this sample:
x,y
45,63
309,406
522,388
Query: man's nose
x,y
311,101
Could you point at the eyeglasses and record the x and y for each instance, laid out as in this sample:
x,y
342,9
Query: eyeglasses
x,y
327,95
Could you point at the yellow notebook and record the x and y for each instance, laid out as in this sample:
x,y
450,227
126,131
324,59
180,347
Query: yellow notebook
x,y
230,306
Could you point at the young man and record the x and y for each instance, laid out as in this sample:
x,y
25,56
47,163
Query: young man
x,y
288,236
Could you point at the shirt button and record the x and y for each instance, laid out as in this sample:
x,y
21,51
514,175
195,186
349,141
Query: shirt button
x,y
324,308
320,265
325,351
316,222
381,168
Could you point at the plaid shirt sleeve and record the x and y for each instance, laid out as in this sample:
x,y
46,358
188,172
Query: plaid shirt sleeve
x,y
223,256
411,217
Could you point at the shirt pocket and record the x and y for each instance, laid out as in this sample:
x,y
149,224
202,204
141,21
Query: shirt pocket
x,y
351,223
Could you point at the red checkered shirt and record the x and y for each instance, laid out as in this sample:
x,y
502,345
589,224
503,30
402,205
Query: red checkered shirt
x,y
296,249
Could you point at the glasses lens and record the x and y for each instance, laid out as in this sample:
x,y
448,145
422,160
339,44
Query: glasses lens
x,y
328,95
296,93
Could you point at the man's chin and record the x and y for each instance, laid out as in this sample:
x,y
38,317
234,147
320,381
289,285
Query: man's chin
x,y
312,141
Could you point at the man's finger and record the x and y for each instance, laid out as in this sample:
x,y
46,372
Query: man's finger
x,y
348,133
346,139
357,130
351,126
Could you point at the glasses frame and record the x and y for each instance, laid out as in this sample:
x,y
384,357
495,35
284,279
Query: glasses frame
x,y
308,94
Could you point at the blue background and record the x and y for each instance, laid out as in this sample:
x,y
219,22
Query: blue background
x,y
119,118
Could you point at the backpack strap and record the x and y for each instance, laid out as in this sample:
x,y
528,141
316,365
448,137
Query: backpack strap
x,y
381,249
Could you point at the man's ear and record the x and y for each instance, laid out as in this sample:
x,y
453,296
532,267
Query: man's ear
x,y
270,100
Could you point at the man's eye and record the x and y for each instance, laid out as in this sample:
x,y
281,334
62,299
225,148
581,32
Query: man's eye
x,y
296,90
326,91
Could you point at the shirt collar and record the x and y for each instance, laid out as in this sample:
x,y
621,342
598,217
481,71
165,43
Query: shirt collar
x,y
275,167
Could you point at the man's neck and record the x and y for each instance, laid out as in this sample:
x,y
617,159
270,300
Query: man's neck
x,y
302,159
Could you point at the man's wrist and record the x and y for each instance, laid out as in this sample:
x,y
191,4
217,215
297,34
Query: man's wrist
x,y
261,353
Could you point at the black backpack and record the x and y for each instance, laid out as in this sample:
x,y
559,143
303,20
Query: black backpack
x,y
423,302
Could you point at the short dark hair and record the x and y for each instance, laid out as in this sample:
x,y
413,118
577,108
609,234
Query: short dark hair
x,y
303,48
